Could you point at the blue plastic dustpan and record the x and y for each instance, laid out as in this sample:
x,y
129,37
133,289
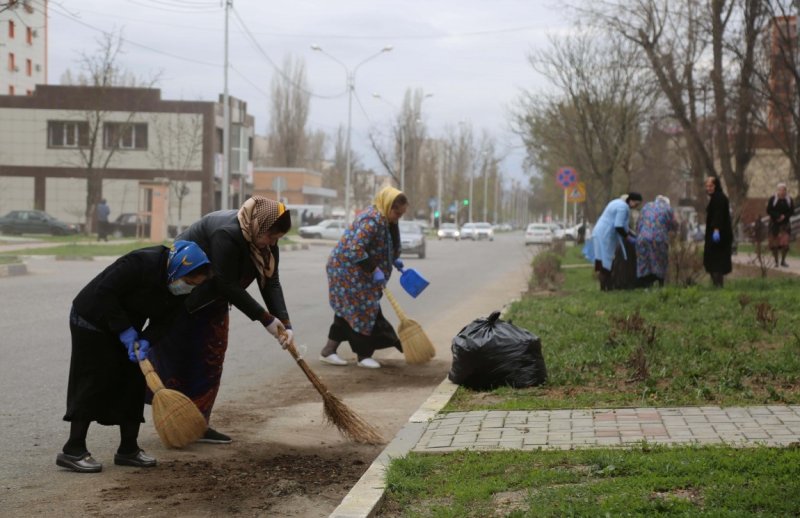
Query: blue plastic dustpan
x,y
412,282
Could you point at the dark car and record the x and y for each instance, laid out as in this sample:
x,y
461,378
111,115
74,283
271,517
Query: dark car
x,y
412,239
34,222
131,224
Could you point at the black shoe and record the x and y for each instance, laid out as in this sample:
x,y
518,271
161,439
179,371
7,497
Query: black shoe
x,y
138,459
83,463
784,264
214,437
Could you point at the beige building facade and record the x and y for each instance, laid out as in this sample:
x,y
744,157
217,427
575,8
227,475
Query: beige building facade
x,y
23,46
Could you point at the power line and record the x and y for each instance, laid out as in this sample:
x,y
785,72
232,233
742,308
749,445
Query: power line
x,y
178,9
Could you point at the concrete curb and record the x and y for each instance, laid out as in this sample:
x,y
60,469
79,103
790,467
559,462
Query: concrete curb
x,y
366,496
13,269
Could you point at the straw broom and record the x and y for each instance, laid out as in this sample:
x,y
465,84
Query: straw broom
x,y
350,424
417,347
176,418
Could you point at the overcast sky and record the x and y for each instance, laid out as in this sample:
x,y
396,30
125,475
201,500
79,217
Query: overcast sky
x,y
470,54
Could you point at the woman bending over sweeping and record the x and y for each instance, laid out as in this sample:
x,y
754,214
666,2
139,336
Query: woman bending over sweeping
x,y
358,268
242,246
106,320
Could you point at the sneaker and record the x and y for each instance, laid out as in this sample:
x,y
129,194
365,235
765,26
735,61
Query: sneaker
x,y
214,437
369,363
333,359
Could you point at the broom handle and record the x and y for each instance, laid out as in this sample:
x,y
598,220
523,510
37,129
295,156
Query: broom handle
x,y
397,309
311,375
153,381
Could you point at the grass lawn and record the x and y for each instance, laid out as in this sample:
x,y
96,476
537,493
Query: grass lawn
x,y
739,345
661,347
643,481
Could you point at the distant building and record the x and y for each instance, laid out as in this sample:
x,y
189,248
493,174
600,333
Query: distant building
x,y
45,137
293,185
23,46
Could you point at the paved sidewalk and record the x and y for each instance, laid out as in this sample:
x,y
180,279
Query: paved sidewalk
x,y
568,429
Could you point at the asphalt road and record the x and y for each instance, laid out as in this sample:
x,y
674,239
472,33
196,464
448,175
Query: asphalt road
x,y
468,280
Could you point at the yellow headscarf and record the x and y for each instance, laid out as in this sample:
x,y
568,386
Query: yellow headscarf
x,y
256,216
384,199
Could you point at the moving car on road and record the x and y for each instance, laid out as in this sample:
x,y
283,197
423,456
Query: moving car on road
x,y
538,234
477,231
412,238
34,222
325,229
448,231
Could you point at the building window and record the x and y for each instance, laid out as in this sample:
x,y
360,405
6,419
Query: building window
x,y
10,89
11,28
29,35
12,62
28,92
29,67
67,134
124,135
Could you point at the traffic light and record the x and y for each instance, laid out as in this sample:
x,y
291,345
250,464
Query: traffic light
x,y
436,214
466,201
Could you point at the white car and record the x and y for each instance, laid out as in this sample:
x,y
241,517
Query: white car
x,y
325,229
538,234
448,231
477,231
557,229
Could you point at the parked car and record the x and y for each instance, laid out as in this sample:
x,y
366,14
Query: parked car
x,y
448,231
131,224
557,229
477,231
34,222
539,234
325,229
412,238
571,233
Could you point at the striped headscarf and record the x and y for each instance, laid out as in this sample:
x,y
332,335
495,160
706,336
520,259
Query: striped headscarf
x,y
256,217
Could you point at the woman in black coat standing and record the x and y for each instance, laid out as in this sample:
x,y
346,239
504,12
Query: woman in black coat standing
x,y
242,246
719,233
106,322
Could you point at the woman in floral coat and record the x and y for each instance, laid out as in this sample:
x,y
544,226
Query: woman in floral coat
x,y
358,268
652,241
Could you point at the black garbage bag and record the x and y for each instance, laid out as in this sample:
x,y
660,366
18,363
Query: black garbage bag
x,y
490,353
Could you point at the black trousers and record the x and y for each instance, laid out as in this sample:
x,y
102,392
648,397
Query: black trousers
x,y
383,336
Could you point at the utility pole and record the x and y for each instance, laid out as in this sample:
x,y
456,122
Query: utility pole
x,y
226,130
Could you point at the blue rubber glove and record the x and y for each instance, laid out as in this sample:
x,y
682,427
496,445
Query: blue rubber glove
x,y
128,337
715,236
378,276
399,264
144,349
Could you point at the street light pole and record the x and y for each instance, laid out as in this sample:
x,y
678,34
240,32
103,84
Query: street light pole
x,y
485,187
351,80
226,130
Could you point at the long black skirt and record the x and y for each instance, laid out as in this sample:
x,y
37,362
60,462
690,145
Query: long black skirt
x,y
104,385
383,336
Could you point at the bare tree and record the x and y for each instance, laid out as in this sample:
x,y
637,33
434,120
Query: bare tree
x,y
289,114
683,40
595,119
178,147
97,143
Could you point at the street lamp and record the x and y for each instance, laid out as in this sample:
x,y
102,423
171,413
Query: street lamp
x,y
351,80
485,186
402,139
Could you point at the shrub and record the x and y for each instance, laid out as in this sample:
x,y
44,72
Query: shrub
x,y
547,271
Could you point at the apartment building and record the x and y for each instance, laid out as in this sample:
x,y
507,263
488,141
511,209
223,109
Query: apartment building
x,y
23,46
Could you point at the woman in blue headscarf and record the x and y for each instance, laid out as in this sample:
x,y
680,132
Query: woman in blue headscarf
x,y
107,321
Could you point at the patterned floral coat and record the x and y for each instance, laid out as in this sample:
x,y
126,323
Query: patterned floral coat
x,y
352,293
652,239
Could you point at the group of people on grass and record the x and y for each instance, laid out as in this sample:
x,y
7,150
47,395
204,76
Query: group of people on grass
x,y
625,259
171,305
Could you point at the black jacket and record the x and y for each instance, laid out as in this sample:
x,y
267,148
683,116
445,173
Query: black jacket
x,y
717,256
777,207
220,237
130,291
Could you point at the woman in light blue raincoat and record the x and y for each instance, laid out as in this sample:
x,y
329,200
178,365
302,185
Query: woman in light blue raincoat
x,y
608,233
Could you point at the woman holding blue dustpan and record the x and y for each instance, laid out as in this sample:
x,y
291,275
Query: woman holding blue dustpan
x,y
358,269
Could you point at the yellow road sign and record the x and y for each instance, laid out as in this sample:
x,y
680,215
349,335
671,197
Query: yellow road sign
x,y
577,193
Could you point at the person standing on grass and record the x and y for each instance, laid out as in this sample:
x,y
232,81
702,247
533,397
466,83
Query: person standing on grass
x,y
106,321
652,241
102,212
242,246
609,232
358,269
780,208
719,233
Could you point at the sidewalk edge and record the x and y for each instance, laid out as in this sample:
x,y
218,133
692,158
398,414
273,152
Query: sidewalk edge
x,y
367,494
